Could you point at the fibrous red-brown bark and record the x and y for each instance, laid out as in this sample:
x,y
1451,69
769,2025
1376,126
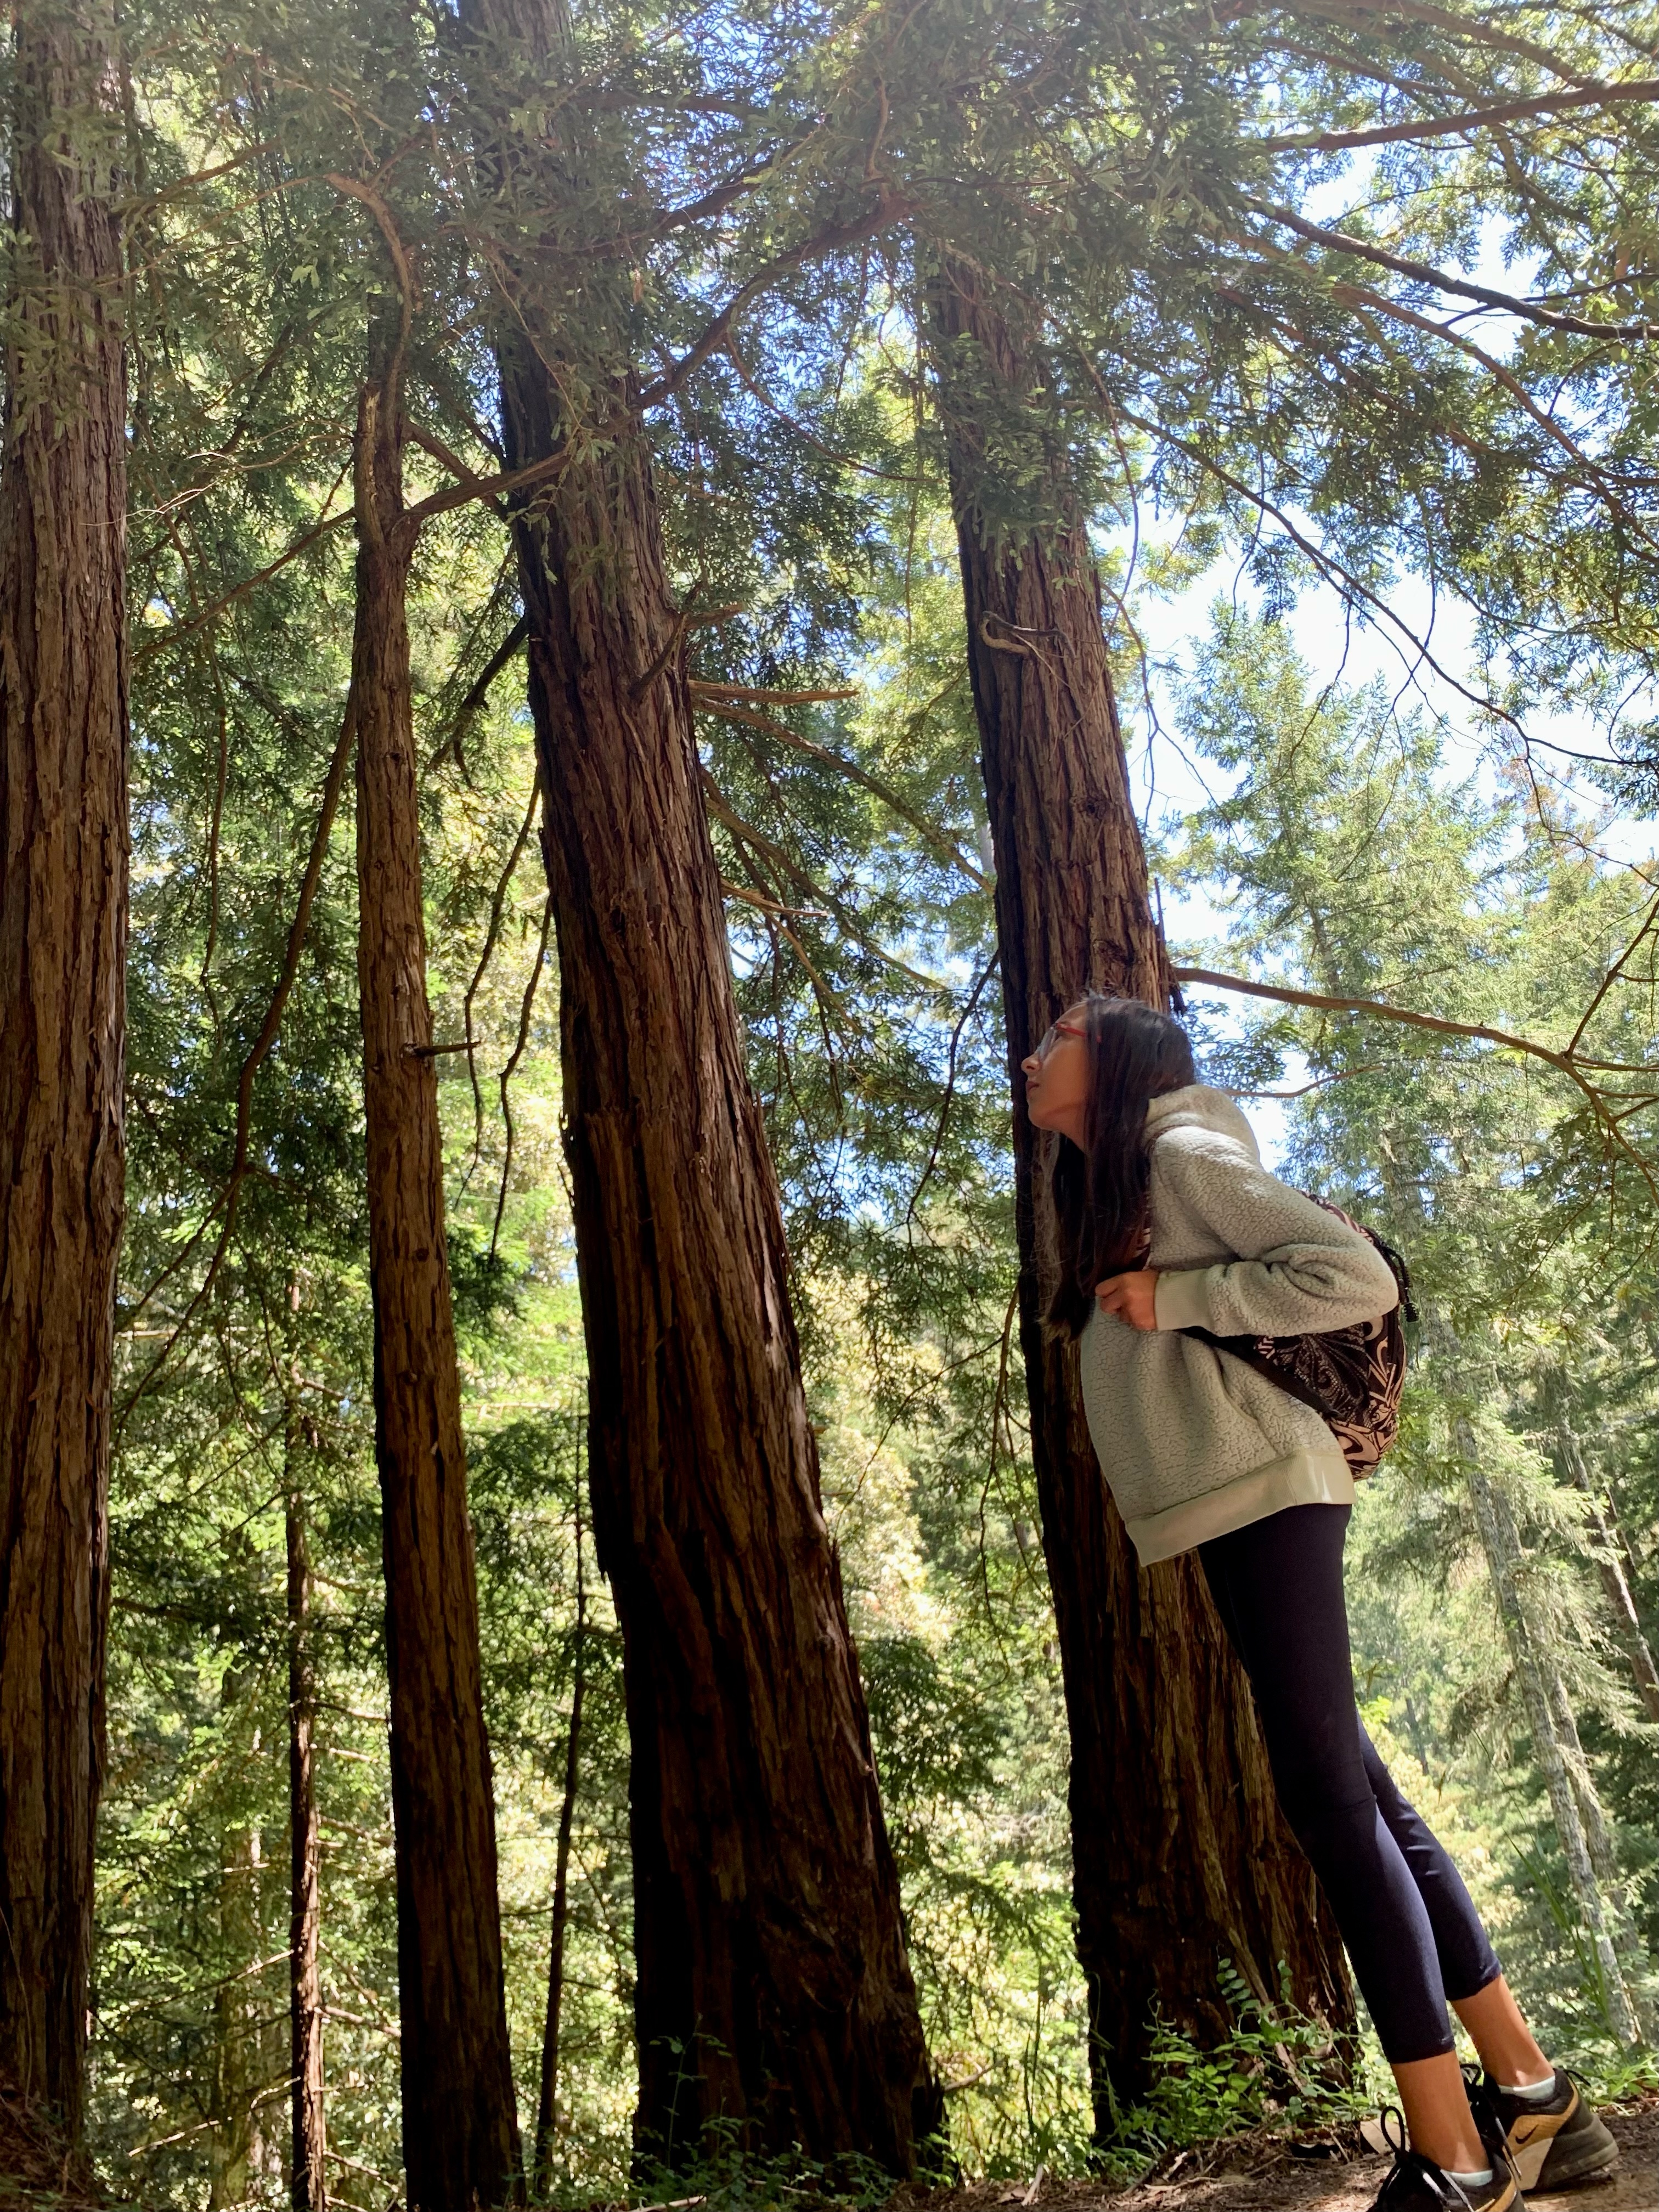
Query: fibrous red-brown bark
x,y
773,1991
460,2112
773,1985
62,939
772,1974
1180,1855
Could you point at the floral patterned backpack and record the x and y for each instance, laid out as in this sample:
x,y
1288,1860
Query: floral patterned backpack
x,y
1352,1378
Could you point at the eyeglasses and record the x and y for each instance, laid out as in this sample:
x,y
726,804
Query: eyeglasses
x,y
1052,1036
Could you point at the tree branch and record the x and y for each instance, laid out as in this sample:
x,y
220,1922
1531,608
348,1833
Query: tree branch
x,y
1422,272
477,691
176,632
963,1020
1349,583
516,1055
746,695
490,488
746,834
1444,127
1564,1062
1363,295
888,209
497,909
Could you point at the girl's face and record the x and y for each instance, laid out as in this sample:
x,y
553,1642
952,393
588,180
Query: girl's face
x,y
1057,1078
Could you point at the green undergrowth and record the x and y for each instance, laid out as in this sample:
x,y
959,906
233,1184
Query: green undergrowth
x,y
724,2179
1277,2072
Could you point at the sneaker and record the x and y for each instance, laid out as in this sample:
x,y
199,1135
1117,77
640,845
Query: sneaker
x,y
1416,2183
1552,2140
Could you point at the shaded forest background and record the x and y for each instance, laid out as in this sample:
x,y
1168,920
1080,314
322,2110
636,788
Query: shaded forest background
x,y
1284,334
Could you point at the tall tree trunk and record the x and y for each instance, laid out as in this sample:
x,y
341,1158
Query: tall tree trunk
x,y
772,1990
62,942
1610,1565
308,2187
459,2111
547,2105
1180,1855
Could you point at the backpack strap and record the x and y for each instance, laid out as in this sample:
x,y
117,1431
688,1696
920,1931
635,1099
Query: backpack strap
x,y
1244,1348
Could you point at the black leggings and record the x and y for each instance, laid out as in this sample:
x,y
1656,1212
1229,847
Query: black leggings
x,y
1413,1933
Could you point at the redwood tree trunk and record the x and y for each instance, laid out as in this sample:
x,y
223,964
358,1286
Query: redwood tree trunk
x,y
1180,1855
460,2117
307,2172
62,941
773,1988
767,1923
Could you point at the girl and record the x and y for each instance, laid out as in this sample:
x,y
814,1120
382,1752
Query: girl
x,y
1202,1452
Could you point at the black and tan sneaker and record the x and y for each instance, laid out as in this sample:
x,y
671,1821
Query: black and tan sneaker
x,y
1416,2183
1553,2140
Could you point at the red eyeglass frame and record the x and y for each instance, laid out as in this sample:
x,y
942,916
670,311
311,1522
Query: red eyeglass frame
x,y
1052,1036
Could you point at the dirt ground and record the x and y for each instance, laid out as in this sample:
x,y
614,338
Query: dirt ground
x,y
1243,2179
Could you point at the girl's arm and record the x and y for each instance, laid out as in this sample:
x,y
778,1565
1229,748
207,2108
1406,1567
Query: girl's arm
x,y
1299,1270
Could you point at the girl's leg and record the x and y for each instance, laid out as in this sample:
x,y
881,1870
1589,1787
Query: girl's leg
x,y
1277,1585
1508,2048
1469,1965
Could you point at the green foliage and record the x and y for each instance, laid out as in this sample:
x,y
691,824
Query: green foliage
x,y
1275,2073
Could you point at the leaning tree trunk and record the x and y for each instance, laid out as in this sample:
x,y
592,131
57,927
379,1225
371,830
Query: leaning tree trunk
x,y
459,2111
62,939
308,2170
773,1992
1180,1855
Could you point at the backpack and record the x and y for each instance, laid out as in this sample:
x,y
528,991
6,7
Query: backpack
x,y
1352,1378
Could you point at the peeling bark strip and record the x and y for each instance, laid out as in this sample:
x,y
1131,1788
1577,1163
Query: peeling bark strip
x,y
772,1990
62,942
460,2112
1180,1855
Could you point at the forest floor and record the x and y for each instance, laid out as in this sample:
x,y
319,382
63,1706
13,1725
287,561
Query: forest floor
x,y
35,2168
1266,2177
1260,2174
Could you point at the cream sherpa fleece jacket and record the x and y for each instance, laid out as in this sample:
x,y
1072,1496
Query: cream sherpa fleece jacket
x,y
1193,1441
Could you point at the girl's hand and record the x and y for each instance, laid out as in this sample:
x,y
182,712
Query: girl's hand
x,y
1133,1298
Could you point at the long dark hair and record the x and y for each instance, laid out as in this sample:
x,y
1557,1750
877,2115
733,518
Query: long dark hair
x,y
1135,1055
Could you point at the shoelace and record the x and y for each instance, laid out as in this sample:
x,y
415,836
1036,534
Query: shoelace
x,y
1412,2168
1488,2121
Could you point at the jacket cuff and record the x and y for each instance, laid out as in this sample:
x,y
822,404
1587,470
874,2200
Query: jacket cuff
x,y
1183,1298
